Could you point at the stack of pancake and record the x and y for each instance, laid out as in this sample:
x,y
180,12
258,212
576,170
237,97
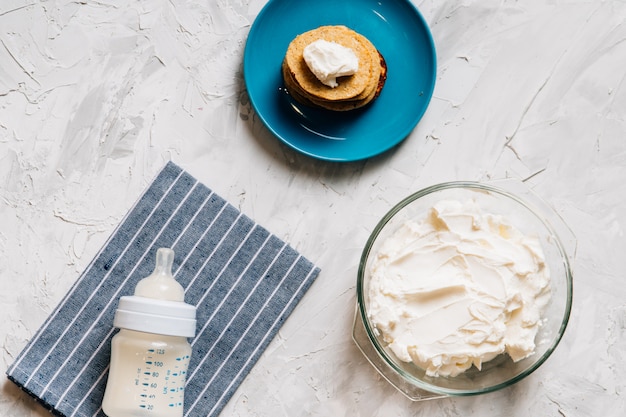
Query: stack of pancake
x,y
354,91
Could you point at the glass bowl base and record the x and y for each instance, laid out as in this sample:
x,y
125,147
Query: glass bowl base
x,y
359,335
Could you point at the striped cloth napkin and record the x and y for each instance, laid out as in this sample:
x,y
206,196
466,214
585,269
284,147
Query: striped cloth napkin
x,y
243,280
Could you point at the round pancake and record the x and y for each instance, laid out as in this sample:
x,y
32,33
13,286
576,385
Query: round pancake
x,y
350,86
344,105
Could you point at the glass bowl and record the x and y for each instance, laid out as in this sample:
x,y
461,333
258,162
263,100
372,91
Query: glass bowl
x,y
529,214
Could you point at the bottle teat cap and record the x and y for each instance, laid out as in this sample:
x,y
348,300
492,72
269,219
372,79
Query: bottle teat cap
x,y
158,304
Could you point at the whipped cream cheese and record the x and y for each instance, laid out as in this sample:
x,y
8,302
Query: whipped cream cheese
x,y
329,60
457,288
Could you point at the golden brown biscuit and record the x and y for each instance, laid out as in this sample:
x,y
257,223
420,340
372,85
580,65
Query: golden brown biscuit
x,y
351,86
354,91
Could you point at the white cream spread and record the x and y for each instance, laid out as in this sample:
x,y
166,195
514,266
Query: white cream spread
x,y
457,288
329,60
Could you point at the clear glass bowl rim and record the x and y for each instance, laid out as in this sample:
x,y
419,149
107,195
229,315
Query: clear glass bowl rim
x,y
383,222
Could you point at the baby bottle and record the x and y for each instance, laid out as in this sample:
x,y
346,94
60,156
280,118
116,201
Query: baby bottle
x,y
150,354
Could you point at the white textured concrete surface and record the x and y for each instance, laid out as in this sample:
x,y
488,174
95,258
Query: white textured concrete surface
x,y
96,95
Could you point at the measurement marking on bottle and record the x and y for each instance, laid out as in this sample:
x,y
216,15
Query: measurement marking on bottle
x,y
161,376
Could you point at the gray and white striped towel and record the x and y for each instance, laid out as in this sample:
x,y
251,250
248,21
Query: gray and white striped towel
x,y
244,281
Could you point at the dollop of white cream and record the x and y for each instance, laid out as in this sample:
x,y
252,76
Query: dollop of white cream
x,y
330,60
458,288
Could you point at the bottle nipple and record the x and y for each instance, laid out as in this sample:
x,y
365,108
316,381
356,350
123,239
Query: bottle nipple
x,y
161,284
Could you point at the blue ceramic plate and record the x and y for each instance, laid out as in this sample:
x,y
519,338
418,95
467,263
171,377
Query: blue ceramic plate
x,y
398,31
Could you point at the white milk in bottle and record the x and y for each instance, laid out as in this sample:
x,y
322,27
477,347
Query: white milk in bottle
x,y
150,354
